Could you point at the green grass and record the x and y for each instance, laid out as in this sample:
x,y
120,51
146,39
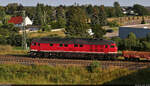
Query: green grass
x,y
115,28
7,49
138,77
35,74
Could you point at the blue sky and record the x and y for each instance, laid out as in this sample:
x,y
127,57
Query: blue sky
x,y
70,2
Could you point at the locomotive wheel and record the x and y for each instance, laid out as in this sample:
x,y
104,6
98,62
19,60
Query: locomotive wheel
x,y
137,59
126,59
46,55
39,55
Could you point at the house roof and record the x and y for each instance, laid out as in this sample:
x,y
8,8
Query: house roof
x,y
73,41
16,20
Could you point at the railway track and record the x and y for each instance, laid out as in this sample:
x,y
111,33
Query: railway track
x,y
8,59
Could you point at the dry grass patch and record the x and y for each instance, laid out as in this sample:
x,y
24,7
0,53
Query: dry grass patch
x,y
45,34
7,49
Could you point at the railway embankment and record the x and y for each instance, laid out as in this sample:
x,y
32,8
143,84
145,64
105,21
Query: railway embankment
x,y
45,74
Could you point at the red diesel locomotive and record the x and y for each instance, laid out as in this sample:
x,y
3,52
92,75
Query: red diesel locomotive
x,y
73,47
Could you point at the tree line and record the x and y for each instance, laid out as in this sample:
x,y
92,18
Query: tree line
x,y
73,18
133,43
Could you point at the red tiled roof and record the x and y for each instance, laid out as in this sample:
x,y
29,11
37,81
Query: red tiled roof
x,y
16,20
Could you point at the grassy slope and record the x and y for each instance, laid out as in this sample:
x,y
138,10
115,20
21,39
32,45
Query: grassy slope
x,y
7,49
21,74
139,77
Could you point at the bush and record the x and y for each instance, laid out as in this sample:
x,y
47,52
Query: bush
x,y
113,24
93,66
46,28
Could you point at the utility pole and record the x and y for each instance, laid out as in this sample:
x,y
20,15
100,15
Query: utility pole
x,y
24,36
24,42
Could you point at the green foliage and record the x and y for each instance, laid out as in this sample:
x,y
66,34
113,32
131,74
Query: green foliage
x,y
99,16
143,21
14,40
98,31
46,28
76,25
102,16
9,35
113,24
148,37
146,46
118,11
132,43
60,16
110,11
93,66
95,17
139,77
38,15
118,41
43,74
141,10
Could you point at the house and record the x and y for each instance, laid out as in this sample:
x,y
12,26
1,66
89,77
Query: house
x,y
18,21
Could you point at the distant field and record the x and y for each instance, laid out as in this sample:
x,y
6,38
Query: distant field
x,y
45,34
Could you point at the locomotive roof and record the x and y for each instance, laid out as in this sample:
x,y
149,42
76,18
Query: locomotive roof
x,y
73,41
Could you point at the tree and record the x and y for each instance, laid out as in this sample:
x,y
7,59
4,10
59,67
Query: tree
x,y
3,15
98,31
118,42
89,10
130,42
98,19
102,16
76,25
60,15
11,8
118,11
143,21
110,11
141,10
95,18
38,15
148,37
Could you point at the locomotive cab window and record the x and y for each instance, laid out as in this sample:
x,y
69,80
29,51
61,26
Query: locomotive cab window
x,y
60,45
81,45
51,44
112,46
66,45
38,44
34,44
106,46
76,45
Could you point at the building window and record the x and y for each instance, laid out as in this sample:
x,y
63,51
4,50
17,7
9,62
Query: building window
x,y
75,45
66,45
60,45
51,44
81,45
